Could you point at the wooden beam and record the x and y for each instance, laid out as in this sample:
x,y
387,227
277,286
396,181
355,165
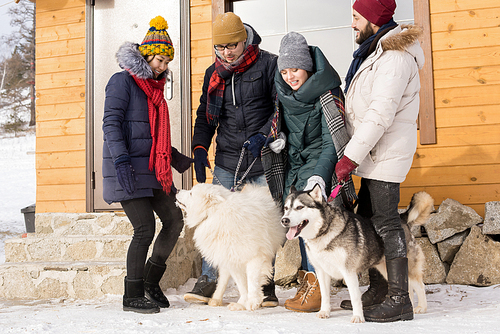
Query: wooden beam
x,y
427,118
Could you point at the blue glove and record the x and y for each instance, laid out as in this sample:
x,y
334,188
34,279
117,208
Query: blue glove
x,y
200,162
180,162
125,174
255,143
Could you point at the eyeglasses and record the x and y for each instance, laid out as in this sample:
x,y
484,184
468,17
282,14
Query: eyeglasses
x,y
230,46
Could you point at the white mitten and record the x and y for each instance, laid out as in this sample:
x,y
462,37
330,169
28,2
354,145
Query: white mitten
x,y
312,181
279,143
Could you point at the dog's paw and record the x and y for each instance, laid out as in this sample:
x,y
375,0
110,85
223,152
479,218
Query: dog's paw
x,y
235,307
323,314
252,305
356,319
215,302
419,310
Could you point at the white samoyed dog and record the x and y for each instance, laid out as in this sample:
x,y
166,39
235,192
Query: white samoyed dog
x,y
239,233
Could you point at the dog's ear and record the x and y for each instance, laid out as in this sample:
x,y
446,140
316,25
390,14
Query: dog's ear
x,y
212,199
293,189
316,194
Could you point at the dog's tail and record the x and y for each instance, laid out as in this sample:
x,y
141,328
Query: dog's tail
x,y
420,208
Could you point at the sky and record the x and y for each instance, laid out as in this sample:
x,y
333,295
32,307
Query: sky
x,y
452,309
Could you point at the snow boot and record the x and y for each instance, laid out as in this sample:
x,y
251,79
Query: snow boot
x,y
397,304
202,291
270,299
308,297
153,273
134,300
374,295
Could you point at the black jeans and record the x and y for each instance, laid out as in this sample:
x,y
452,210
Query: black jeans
x,y
378,200
140,212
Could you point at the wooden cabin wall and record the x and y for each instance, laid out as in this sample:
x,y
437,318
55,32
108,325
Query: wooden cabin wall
x,y
465,163
60,106
201,59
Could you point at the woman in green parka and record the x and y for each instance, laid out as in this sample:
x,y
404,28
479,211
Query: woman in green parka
x,y
305,133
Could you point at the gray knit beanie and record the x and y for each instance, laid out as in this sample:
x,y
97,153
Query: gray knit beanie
x,y
294,53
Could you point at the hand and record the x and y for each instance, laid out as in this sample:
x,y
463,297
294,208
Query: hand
x,y
343,168
179,161
255,143
200,162
316,180
125,174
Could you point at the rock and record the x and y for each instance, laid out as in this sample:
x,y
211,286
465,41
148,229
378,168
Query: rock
x,y
477,262
288,261
491,218
449,247
450,219
434,269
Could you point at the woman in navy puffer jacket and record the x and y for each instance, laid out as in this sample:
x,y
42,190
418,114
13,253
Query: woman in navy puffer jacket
x,y
137,161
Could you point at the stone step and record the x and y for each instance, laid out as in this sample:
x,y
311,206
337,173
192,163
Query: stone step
x,y
84,279
83,256
41,280
74,224
36,247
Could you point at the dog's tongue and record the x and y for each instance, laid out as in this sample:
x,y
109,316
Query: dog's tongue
x,y
292,231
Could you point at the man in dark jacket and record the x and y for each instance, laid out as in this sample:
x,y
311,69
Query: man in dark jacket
x,y
237,102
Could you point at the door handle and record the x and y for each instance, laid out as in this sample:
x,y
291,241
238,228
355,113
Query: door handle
x,y
170,84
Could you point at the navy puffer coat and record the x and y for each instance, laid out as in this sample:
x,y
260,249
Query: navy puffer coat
x,y
126,127
247,109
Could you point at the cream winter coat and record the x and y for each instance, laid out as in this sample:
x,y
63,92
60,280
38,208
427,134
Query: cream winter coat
x,y
382,105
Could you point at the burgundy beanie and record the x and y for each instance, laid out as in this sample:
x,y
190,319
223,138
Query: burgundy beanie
x,y
378,12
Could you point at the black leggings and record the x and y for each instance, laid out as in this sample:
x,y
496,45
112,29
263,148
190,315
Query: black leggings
x,y
140,212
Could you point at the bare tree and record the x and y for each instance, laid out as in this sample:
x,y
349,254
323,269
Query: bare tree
x,y
18,77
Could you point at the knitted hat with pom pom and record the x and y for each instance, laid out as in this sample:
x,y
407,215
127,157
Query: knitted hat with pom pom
x,y
157,40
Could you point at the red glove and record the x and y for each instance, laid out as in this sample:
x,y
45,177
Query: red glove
x,y
343,168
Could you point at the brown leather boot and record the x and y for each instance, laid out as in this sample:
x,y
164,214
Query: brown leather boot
x,y
302,287
308,297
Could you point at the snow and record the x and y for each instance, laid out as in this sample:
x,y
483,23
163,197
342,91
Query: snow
x,y
452,308
17,185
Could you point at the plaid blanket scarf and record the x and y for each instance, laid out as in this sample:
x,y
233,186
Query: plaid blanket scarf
x,y
274,164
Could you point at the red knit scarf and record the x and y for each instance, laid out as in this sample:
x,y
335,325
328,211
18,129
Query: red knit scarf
x,y
217,82
159,121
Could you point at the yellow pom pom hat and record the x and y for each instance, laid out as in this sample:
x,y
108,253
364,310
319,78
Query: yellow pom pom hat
x,y
157,40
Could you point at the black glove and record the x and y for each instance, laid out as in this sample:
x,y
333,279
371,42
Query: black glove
x,y
200,162
179,161
255,143
125,174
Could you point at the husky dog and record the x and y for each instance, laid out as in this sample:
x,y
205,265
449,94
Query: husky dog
x,y
237,232
341,244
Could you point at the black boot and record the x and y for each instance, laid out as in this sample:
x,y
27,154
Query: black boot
x,y
397,304
134,300
202,291
375,293
270,299
153,273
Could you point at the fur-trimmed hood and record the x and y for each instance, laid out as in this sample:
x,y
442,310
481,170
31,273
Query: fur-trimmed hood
x,y
129,58
406,40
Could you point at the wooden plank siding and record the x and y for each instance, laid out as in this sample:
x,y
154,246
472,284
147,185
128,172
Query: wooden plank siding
x,y
60,106
464,164
201,59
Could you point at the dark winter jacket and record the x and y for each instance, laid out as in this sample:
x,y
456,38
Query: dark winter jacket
x,y
310,146
126,127
247,112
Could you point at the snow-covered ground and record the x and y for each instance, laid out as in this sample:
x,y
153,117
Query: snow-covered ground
x,y
452,308
17,184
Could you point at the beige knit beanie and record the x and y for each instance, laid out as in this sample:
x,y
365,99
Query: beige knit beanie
x,y
228,28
